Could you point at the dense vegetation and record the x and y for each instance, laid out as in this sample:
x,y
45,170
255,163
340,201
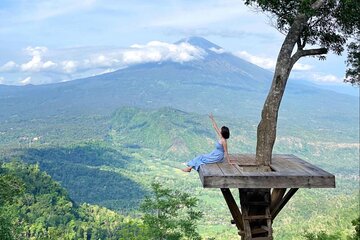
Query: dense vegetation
x,y
171,215
33,206
44,211
114,166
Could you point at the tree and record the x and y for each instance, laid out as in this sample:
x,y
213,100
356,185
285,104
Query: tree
x,y
336,236
356,224
170,214
322,236
325,24
353,62
10,188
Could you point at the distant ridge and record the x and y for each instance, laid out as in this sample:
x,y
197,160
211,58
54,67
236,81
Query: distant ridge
x,y
219,83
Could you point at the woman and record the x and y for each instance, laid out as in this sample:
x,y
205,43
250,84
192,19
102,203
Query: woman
x,y
217,155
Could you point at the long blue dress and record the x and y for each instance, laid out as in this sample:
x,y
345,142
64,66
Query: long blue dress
x,y
217,155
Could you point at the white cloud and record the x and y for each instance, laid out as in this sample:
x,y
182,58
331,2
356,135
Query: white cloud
x,y
108,70
217,50
263,62
154,51
326,78
75,63
2,80
157,51
25,80
103,60
35,51
268,63
36,63
9,66
69,66
302,67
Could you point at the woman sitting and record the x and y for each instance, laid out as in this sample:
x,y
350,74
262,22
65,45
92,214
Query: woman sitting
x,y
217,155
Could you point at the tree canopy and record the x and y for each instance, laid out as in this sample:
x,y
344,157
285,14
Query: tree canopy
x,y
311,28
330,24
171,214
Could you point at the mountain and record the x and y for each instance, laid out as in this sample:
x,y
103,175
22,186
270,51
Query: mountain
x,y
219,82
87,136
199,42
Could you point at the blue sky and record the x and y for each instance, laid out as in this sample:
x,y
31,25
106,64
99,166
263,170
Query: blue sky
x,y
46,41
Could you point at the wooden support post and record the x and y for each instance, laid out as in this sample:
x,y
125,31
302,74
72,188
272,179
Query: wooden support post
x,y
259,207
279,206
255,206
234,209
276,195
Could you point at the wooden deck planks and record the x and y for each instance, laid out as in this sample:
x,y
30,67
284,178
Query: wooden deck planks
x,y
243,159
281,164
290,172
211,170
228,170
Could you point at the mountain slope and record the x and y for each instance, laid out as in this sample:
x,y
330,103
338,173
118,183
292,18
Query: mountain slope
x,y
220,82
43,210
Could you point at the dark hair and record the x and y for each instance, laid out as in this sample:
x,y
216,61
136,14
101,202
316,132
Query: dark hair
x,y
225,132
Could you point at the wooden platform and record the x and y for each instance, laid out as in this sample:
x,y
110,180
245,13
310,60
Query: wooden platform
x,y
287,171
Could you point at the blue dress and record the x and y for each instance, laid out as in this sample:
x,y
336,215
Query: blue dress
x,y
217,155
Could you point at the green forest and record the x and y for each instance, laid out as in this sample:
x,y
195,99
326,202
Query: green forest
x,y
33,206
88,182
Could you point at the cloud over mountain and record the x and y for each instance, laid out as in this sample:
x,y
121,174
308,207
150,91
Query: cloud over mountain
x,y
43,65
37,63
267,62
85,64
157,51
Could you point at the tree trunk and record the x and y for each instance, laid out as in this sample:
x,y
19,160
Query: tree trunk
x,y
266,132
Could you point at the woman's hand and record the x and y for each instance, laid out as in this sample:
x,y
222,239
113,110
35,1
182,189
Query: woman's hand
x,y
231,163
211,116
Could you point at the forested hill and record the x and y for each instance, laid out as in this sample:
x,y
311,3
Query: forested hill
x,y
33,206
111,161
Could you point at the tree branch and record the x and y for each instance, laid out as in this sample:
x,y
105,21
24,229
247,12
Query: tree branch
x,y
318,4
304,41
307,52
299,45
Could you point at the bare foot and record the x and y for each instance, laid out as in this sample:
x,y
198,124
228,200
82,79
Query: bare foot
x,y
188,169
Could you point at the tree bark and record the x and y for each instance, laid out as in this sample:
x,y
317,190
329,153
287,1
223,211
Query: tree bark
x,y
266,131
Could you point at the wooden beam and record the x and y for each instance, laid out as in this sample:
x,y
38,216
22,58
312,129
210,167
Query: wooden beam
x,y
266,180
233,207
287,171
282,203
276,196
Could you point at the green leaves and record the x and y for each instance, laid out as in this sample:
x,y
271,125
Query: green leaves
x,y
353,62
170,214
330,25
338,235
10,188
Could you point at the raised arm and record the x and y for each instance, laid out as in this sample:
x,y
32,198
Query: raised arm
x,y
217,130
